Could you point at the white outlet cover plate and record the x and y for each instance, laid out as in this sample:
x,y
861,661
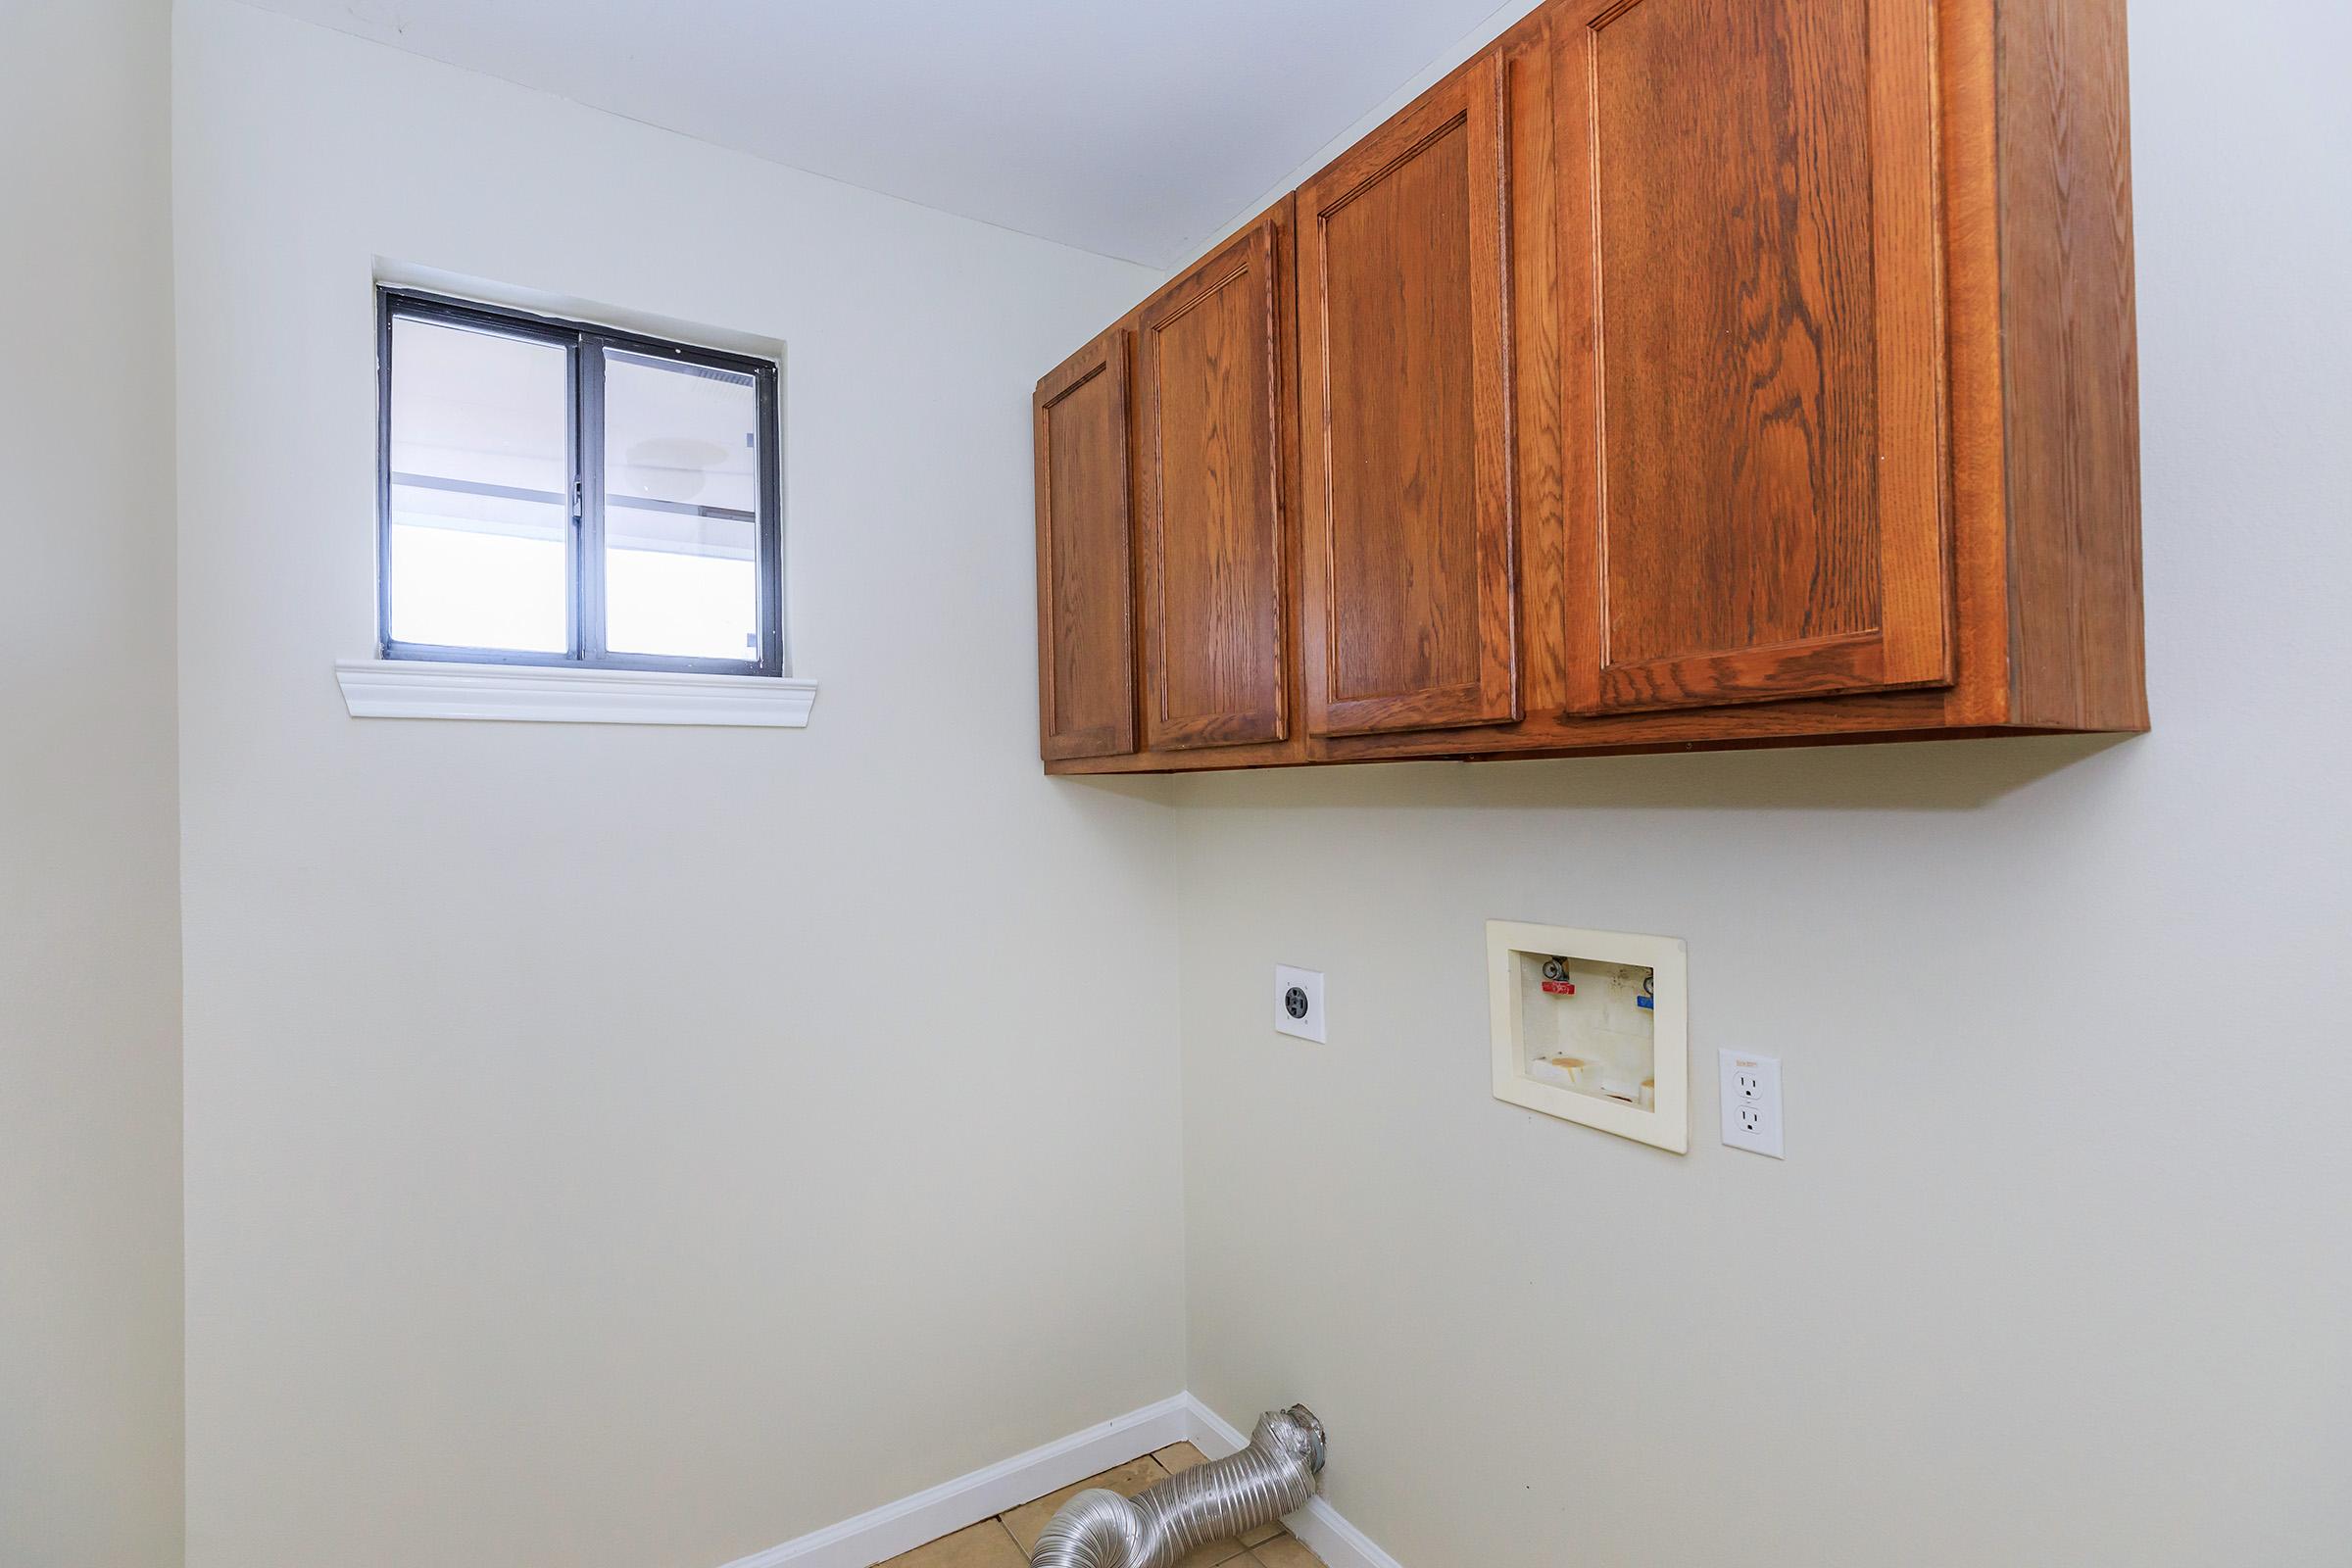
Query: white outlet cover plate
x,y
1306,1025
1752,1103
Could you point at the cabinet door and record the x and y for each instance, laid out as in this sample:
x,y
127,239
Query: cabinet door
x,y
1084,621
1404,405
1753,388
1211,545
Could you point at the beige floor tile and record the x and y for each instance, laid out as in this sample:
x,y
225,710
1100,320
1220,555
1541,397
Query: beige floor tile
x,y
1177,1457
1216,1551
1029,1520
987,1545
1285,1552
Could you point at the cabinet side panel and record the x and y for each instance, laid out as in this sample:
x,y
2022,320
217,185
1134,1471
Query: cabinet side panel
x,y
2071,378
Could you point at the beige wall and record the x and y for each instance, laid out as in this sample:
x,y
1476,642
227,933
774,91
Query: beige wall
x,y
613,1147
89,942
2056,1270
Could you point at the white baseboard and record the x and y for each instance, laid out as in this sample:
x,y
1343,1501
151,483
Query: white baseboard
x,y
901,1526
883,1533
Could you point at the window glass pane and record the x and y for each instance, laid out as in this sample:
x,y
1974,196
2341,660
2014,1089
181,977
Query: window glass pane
x,y
480,474
681,508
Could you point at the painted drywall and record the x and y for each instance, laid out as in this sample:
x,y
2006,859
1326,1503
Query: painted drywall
x,y
89,932
1052,117
2055,1270
609,1146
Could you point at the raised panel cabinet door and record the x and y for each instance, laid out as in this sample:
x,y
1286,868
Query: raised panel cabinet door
x,y
1405,400
1085,551
1754,351
1210,544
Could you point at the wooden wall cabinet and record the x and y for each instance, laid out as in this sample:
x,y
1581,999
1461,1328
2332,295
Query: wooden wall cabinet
x,y
1212,549
1677,373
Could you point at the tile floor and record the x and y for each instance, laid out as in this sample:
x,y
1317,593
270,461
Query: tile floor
x,y
1004,1541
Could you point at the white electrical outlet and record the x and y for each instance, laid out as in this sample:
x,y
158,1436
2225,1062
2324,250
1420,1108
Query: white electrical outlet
x,y
1752,1103
1298,1002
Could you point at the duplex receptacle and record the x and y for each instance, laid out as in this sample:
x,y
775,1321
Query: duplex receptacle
x,y
1752,1103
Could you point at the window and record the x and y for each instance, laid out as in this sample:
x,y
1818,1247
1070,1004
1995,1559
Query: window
x,y
553,493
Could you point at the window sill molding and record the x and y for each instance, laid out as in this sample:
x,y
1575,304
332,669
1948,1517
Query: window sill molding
x,y
547,693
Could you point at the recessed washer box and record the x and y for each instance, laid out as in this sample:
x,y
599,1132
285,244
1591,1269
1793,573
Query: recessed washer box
x,y
1592,1027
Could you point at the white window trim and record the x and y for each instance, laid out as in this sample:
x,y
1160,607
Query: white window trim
x,y
552,694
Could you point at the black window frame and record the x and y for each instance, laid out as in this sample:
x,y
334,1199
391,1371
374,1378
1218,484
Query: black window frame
x,y
584,344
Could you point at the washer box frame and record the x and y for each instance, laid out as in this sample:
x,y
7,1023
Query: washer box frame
x,y
1668,1125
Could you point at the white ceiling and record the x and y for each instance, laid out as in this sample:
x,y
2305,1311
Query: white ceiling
x,y
1132,127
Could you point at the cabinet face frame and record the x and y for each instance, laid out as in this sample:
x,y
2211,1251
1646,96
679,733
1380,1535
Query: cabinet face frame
x,y
1470,103
1250,265
1913,644
1067,524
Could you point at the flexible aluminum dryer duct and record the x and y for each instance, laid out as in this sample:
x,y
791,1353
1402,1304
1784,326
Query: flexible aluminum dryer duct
x,y
1155,1529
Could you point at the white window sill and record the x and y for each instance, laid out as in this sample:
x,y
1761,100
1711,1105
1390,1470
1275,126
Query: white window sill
x,y
416,688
